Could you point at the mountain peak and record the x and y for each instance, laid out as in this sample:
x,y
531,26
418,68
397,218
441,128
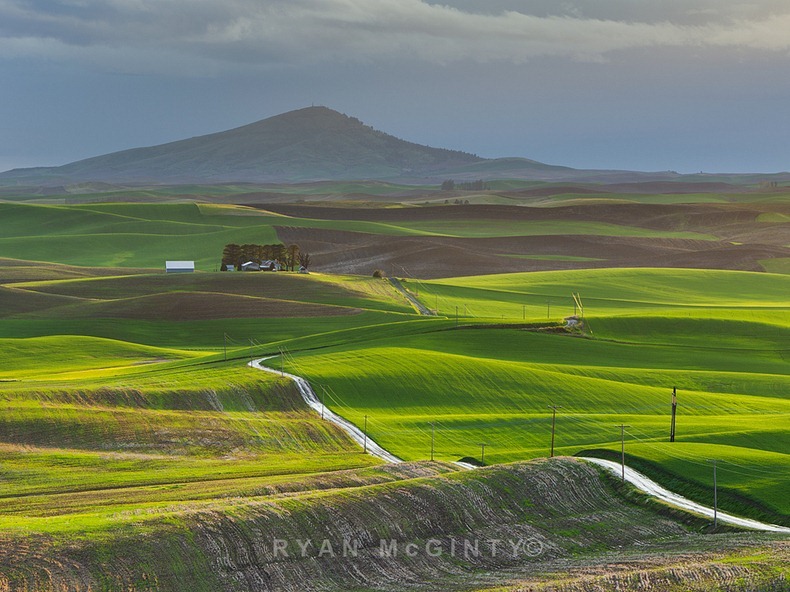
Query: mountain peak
x,y
312,143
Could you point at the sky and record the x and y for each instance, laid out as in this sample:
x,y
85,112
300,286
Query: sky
x,y
684,85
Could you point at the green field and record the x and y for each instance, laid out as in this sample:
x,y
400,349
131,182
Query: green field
x,y
145,235
128,411
719,337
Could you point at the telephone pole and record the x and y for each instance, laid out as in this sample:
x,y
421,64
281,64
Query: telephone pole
x,y
622,448
483,453
456,316
323,397
433,438
250,351
715,496
282,362
523,312
225,346
553,420
548,309
365,433
674,412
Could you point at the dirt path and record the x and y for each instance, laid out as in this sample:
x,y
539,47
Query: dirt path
x,y
636,478
312,400
651,487
414,302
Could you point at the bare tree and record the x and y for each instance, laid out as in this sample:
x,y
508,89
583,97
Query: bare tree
x,y
292,256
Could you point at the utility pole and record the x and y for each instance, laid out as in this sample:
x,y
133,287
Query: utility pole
x,y
456,316
524,312
553,419
715,496
282,362
548,309
437,304
250,351
323,397
622,448
674,412
483,453
225,346
433,438
365,433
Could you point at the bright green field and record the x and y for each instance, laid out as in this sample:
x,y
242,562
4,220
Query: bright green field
x,y
120,412
721,338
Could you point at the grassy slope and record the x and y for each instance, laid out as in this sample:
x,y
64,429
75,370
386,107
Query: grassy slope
x,y
196,310
719,337
91,426
161,433
563,508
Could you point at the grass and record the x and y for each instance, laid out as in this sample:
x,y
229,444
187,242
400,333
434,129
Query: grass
x,y
778,265
119,407
721,338
498,228
146,234
94,444
547,296
77,355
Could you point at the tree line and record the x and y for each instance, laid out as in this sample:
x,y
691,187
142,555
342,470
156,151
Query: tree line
x,y
289,257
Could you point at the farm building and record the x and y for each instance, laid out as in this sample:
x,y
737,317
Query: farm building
x,y
250,266
270,265
179,266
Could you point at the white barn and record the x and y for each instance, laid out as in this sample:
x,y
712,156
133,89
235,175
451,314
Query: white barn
x,y
179,266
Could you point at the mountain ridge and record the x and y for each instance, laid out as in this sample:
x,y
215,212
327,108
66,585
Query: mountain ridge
x,y
315,144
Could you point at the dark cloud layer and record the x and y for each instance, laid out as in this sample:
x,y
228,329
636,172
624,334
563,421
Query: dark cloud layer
x,y
695,83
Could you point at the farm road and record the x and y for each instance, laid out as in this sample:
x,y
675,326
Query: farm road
x,y
654,489
312,400
634,477
414,302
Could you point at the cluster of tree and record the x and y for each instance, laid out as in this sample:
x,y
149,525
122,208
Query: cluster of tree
x,y
479,185
288,257
457,201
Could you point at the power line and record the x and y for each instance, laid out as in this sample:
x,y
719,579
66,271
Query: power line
x,y
622,447
553,419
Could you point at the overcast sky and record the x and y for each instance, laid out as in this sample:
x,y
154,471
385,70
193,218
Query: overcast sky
x,y
686,85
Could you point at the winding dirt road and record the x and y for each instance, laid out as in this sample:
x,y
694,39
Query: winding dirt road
x,y
312,400
634,477
652,488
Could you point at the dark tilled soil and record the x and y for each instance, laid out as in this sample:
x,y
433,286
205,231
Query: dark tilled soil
x,y
434,257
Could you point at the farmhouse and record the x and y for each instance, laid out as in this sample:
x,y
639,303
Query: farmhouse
x,y
179,266
270,265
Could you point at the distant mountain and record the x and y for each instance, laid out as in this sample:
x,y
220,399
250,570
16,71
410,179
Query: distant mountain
x,y
310,144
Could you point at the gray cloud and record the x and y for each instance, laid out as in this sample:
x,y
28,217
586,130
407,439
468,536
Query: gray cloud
x,y
201,36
